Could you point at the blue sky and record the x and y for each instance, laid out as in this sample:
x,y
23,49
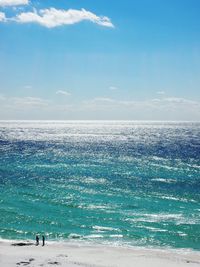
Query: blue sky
x,y
115,59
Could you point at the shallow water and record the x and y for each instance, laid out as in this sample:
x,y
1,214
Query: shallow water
x,y
129,183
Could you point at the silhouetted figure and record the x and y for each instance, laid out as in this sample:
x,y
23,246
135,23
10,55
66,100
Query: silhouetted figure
x,y
37,240
43,240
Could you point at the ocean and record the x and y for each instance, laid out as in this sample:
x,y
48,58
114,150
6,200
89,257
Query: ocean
x,y
127,183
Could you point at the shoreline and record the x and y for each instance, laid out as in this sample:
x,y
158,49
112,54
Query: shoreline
x,y
75,253
95,243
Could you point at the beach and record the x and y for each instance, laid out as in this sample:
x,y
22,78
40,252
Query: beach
x,y
84,255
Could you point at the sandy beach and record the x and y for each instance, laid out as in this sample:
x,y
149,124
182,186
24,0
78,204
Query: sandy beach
x,y
75,254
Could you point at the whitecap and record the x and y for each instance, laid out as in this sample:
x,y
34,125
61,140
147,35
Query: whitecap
x,y
74,236
93,236
103,228
164,180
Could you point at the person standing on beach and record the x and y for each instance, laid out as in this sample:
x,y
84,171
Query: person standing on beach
x,y
43,240
37,240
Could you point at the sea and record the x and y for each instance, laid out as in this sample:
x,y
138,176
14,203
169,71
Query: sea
x,y
126,183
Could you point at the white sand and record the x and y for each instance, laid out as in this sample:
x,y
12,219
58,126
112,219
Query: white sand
x,y
79,255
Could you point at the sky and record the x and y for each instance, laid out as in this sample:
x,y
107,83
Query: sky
x,y
100,60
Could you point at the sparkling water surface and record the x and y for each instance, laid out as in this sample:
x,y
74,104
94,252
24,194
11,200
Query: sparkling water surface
x,y
126,183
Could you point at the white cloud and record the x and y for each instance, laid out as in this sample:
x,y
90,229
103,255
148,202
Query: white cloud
x,y
61,92
161,92
2,98
163,108
2,16
113,88
13,2
171,108
54,17
170,103
104,100
178,100
23,102
27,86
23,107
28,102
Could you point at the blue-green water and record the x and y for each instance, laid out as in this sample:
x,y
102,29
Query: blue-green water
x,y
130,183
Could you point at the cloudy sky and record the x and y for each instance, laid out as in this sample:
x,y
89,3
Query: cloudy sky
x,y
116,59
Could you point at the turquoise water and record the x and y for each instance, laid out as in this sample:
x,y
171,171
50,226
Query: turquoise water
x,y
127,183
